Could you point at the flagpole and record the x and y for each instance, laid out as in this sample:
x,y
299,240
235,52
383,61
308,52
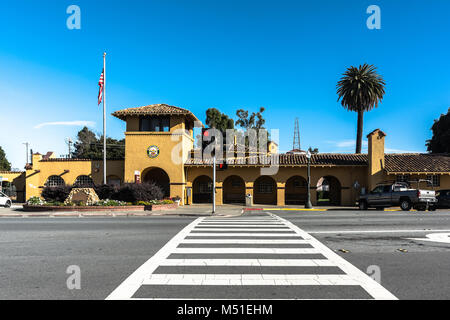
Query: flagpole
x,y
104,118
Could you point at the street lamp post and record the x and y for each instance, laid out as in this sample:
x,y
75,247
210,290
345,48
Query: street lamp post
x,y
308,204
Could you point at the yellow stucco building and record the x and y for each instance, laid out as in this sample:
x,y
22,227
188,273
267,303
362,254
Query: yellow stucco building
x,y
159,146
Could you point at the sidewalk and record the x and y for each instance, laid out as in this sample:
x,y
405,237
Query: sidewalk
x,y
194,210
259,207
204,210
197,210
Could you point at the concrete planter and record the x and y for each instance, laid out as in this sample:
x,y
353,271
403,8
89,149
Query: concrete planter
x,y
161,207
155,207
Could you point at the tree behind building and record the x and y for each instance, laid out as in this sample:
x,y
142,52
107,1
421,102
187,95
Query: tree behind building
x,y
440,142
5,165
90,146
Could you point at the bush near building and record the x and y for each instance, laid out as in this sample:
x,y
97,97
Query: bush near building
x,y
127,193
134,192
56,194
106,191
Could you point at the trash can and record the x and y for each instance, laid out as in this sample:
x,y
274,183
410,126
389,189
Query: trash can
x,y
248,200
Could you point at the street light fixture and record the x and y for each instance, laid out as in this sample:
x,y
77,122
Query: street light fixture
x,y
308,204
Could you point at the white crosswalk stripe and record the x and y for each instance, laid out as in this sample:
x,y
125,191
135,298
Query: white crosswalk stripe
x,y
247,241
249,262
247,252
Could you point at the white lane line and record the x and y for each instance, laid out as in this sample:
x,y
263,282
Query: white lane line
x,y
247,241
246,250
249,262
251,279
434,237
242,229
129,287
243,234
379,231
376,290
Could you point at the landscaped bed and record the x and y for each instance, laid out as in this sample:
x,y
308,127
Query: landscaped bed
x,y
129,197
35,206
154,207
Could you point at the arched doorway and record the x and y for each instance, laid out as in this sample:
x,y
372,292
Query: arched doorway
x,y
265,191
202,190
328,191
234,190
159,177
296,190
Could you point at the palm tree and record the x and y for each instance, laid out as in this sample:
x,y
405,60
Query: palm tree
x,y
360,89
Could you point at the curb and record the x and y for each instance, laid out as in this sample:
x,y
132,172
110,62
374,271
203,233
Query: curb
x,y
318,210
106,215
283,209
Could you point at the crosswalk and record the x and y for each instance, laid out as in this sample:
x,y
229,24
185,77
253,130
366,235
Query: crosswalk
x,y
256,257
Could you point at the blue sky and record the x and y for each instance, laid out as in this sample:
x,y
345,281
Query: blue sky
x,y
284,55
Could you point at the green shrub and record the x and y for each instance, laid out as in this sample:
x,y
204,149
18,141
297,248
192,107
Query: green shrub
x,y
110,203
154,202
35,201
54,204
143,203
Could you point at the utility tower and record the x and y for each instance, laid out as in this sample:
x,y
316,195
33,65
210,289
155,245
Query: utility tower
x,y
296,143
69,143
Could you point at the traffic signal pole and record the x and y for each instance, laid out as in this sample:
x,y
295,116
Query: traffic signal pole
x,y
214,185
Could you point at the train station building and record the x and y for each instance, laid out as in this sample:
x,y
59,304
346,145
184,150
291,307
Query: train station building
x,y
154,133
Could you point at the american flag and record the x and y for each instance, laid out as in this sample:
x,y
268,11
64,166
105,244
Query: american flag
x,y
101,82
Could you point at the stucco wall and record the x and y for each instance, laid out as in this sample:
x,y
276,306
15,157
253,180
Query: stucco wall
x,y
18,180
347,176
68,170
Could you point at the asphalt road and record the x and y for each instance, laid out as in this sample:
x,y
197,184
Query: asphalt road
x,y
36,252
374,238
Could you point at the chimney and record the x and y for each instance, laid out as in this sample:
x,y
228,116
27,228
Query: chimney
x,y
376,157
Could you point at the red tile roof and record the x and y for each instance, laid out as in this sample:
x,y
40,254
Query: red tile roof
x,y
393,162
321,159
417,162
154,109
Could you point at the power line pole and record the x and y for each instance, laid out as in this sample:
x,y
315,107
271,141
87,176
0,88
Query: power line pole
x,y
296,143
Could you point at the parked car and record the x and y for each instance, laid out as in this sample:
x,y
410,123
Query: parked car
x,y
398,194
443,197
5,201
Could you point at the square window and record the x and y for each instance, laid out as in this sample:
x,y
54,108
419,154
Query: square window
x,y
403,178
265,187
435,180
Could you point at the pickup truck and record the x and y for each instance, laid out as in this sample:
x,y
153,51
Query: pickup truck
x,y
398,194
